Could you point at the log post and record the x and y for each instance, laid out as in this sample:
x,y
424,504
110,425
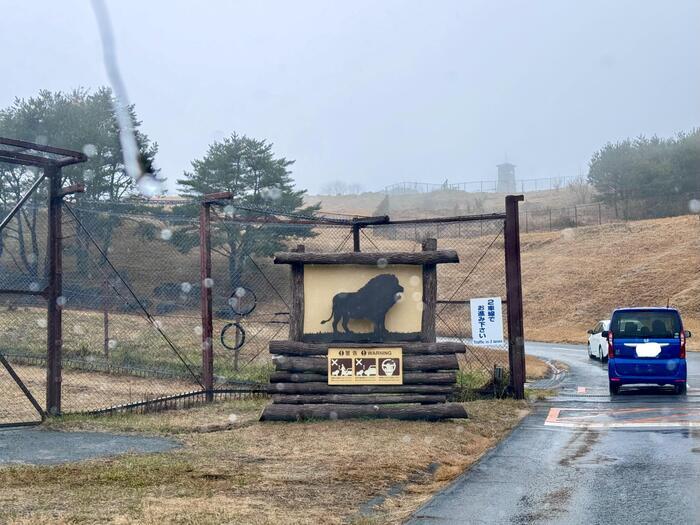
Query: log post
x,y
514,298
429,295
296,314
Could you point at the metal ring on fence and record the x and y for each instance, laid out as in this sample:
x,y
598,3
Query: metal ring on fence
x,y
242,301
239,331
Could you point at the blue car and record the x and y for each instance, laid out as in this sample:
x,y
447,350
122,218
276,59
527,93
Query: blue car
x,y
646,346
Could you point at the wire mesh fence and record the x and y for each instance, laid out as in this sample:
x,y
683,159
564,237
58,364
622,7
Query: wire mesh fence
x,y
131,298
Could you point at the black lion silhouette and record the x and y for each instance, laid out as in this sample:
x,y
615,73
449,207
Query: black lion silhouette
x,y
371,302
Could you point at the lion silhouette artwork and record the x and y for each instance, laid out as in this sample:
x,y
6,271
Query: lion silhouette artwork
x,y
371,303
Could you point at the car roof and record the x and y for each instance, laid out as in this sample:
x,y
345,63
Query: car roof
x,y
646,308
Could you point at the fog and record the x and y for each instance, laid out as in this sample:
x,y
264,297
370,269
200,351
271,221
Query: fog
x,y
378,92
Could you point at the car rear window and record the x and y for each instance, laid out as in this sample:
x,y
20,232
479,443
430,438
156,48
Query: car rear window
x,y
645,324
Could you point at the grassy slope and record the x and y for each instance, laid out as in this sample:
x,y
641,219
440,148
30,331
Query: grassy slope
x,y
572,278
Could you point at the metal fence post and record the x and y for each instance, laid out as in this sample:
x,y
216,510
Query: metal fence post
x,y
514,298
55,290
206,284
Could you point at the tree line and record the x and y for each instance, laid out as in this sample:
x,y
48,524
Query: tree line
x,y
648,177
85,121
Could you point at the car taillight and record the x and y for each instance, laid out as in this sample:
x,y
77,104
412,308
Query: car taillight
x,y
682,356
611,351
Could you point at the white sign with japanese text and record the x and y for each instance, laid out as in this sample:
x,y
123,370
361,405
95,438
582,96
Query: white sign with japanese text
x,y
487,321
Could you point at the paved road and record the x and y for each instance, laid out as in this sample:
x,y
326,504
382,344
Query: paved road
x,y
586,458
37,446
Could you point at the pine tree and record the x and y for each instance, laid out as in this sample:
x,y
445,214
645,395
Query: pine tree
x,y
258,180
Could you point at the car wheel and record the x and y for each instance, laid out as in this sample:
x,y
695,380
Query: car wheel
x,y
614,388
681,389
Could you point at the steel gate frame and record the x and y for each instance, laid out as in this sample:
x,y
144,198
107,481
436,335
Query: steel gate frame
x,y
50,160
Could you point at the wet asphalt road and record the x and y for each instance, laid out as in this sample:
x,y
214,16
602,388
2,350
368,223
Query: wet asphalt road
x,y
583,457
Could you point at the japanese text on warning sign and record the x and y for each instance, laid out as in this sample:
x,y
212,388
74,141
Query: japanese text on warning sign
x,y
487,321
365,366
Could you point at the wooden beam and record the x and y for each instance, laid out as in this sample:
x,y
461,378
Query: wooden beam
x,y
73,188
409,378
324,388
413,348
215,197
368,258
355,399
279,412
425,363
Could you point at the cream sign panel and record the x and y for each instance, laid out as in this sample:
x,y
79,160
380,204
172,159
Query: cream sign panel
x,y
347,302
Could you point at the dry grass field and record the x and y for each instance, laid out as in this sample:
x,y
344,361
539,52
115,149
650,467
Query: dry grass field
x,y
257,473
81,391
573,278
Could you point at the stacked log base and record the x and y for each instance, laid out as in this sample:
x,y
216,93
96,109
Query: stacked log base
x,y
300,388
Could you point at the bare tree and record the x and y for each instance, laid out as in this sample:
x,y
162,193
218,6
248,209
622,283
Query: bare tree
x,y
581,189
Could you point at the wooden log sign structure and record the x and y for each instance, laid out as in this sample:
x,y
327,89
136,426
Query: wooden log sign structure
x,y
362,339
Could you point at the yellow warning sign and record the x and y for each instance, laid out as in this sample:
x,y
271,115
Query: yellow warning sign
x,y
365,366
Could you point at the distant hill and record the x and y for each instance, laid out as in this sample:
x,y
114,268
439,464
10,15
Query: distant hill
x,y
442,203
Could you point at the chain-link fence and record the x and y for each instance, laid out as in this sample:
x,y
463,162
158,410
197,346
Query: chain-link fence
x,y
132,330
598,213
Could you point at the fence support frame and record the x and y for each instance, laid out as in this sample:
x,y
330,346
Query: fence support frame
x,y
54,291
514,298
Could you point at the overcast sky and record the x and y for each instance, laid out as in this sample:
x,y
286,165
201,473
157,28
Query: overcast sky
x,y
375,92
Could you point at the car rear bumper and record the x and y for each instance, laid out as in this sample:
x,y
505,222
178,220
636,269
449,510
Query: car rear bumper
x,y
650,371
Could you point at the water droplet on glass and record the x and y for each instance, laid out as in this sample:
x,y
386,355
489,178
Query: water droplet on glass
x,y
41,139
228,210
279,386
414,280
34,286
333,415
90,150
112,344
406,439
42,323
694,205
232,418
208,282
417,296
88,175
148,185
61,300
382,262
166,234
198,330
186,287
271,193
